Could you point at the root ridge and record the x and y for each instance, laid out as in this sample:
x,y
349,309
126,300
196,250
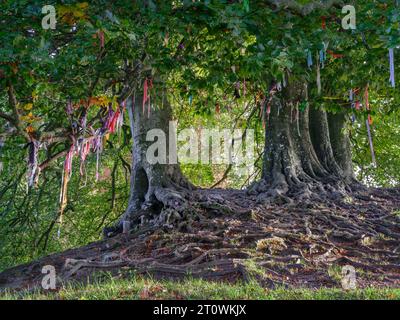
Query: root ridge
x,y
230,235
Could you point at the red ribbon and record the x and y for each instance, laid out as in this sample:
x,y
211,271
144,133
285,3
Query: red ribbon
x,y
148,84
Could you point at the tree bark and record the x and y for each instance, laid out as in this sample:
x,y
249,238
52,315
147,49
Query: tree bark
x,y
154,187
320,135
340,142
305,153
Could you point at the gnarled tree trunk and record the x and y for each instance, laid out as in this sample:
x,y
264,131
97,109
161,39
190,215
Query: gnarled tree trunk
x,y
341,144
305,154
158,186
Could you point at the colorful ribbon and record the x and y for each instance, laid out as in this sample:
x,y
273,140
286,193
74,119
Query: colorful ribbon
x,y
64,185
33,168
309,59
371,144
319,87
391,62
148,84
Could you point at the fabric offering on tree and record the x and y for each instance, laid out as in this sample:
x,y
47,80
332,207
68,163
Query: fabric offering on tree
x,y
98,148
145,92
148,84
298,119
69,108
368,123
100,34
309,59
84,150
33,167
391,63
319,79
67,171
352,105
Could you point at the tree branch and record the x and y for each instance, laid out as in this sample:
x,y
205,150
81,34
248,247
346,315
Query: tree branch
x,y
7,117
14,118
48,161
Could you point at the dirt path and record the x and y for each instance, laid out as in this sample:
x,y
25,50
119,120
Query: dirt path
x,y
229,237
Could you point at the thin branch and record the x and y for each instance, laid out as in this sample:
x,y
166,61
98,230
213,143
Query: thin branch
x,y
48,161
223,177
15,121
7,117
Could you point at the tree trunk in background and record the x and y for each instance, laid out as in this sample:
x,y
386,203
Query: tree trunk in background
x,y
304,152
158,186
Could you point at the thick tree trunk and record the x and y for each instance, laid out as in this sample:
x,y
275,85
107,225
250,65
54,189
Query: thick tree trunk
x,y
303,151
320,136
341,144
157,183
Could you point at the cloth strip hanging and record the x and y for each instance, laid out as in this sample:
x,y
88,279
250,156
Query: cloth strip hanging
x,y
120,121
309,59
69,108
335,55
64,185
371,144
33,167
319,78
145,92
130,114
298,119
100,34
322,54
368,124
82,147
83,152
1,146
112,125
148,84
351,98
84,121
391,62
323,22
266,104
98,149
217,108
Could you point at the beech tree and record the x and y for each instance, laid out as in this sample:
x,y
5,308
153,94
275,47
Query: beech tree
x,y
304,75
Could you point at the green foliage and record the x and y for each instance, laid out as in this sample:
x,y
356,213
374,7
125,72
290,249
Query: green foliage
x,y
387,149
139,288
29,225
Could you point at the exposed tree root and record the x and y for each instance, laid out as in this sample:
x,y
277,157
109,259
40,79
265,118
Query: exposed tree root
x,y
227,235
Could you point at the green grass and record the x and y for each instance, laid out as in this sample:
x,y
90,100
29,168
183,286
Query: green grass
x,y
146,288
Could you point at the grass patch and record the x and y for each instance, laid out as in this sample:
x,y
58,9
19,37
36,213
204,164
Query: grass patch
x,y
134,287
